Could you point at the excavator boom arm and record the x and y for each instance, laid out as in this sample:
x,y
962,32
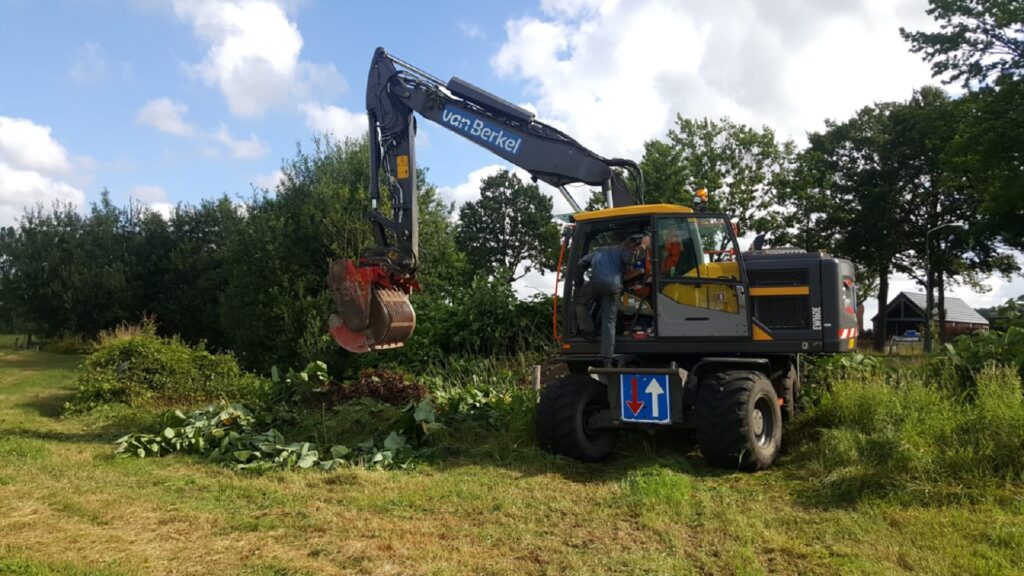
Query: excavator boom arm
x,y
395,92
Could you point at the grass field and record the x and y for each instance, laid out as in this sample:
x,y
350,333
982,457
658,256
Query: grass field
x,y
68,506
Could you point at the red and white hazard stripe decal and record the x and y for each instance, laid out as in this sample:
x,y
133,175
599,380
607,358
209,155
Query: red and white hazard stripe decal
x,y
847,333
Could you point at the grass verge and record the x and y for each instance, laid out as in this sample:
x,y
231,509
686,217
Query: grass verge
x,y
68,506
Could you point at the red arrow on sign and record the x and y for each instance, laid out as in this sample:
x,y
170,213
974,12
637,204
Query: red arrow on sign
x,y
635,405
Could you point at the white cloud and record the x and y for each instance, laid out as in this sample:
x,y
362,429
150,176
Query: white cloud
x,y
149,193
250,148
471,30
337,121
165,209
616,73
165,115
89,64
155,197
253,54
469,190
25,144
34,168
268,181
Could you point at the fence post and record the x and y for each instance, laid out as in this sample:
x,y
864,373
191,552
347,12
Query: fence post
x,y
536,377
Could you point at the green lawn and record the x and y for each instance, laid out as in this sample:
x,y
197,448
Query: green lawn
x,y
68,506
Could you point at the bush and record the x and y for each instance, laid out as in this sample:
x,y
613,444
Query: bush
x,y
895,435
143,368
968,355
485,319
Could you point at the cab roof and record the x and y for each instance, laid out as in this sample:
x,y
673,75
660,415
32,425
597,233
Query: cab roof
x,y
638,210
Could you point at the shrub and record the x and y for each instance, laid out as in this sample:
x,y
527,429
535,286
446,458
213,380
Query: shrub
x,y
143,368
485,319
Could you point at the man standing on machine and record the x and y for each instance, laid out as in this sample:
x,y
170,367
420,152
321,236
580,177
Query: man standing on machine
x,y
608,267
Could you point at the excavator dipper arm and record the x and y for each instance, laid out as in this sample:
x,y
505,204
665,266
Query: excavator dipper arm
x,y
372,294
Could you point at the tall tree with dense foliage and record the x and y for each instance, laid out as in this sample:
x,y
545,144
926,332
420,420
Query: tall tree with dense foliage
x,y
855,167
509,229
741,168
977,40
981,45
195,273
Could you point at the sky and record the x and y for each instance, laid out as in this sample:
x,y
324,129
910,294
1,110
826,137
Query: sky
x,y
168,101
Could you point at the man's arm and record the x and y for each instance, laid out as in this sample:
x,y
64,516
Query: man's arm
x,y
581,267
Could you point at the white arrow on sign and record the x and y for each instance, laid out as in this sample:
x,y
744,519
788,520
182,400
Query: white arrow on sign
x,y
655,390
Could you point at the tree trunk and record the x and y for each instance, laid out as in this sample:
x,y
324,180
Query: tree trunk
x,y
883,308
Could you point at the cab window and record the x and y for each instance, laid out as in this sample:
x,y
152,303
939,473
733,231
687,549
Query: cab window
x,y
696,247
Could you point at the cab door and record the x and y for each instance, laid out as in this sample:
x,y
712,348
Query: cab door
x,y
699,279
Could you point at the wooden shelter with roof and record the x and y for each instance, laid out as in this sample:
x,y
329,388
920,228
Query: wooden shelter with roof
x,y
906,312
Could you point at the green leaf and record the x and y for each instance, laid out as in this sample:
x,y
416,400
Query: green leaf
x,y
308,459
425,412
394,441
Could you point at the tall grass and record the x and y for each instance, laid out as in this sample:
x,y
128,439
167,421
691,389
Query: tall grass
x,y
899,435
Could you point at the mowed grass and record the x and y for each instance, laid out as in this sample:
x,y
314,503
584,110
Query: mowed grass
x,y
68,506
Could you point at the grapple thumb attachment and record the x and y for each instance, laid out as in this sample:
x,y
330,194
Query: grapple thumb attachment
x,y
373,309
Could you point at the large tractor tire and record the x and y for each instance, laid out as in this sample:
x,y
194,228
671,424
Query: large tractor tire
x,y
562,414
788,388
739,422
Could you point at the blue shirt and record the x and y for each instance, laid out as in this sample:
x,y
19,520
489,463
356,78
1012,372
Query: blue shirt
x,y
606,264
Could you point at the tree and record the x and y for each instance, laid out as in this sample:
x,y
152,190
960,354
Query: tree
x,y
989,153
276,302
981,44
509,226
741,168
941,193
977,41
195,270
853,164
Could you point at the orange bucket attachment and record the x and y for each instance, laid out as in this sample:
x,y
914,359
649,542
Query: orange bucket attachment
x,y
373,310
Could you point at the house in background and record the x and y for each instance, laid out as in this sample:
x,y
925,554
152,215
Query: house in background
x,y
906,312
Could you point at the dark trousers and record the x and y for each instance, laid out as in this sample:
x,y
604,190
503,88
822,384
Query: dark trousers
x,y
608,294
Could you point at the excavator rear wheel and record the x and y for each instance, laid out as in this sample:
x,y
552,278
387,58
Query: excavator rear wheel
x,y
739,422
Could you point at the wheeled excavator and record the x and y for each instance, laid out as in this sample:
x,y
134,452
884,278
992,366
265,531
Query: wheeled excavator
x,y
710,336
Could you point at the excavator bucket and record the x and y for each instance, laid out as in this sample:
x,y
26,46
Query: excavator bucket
x,y
374,312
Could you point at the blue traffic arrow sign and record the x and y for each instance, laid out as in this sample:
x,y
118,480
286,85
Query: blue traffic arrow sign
x,y
645,398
